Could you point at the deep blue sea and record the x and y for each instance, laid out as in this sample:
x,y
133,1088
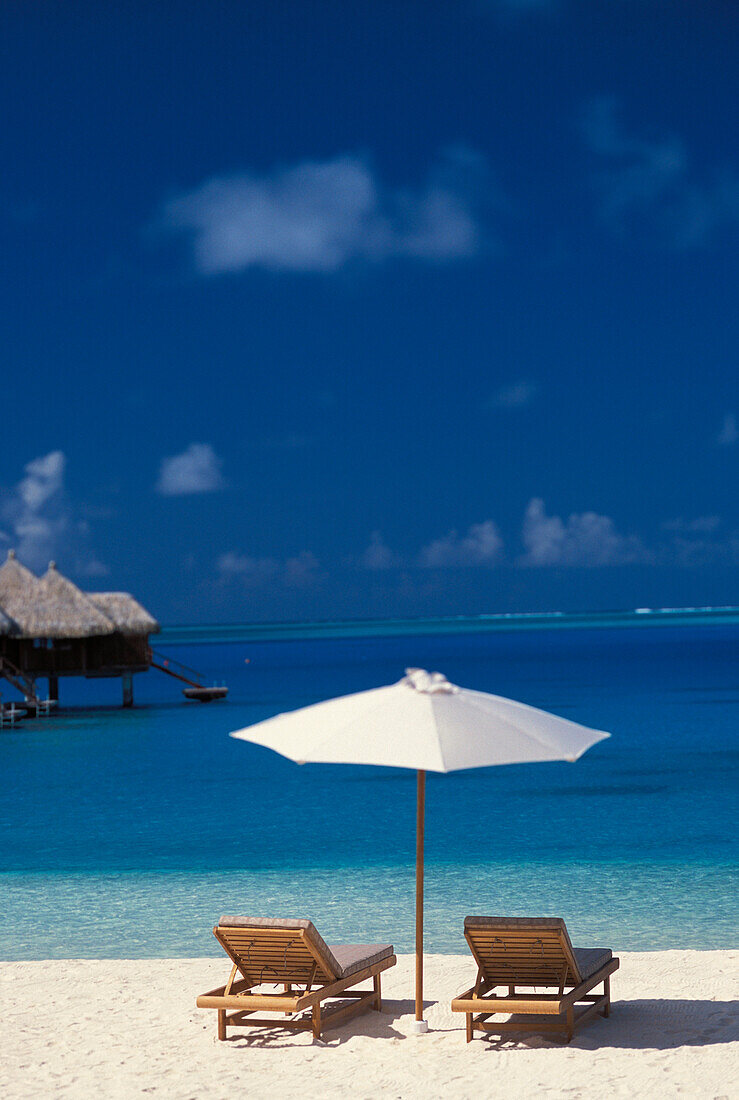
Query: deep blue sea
x,y
128,833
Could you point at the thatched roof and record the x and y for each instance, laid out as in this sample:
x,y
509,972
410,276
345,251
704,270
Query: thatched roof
x,y
62,610
18,588
7,625
127,614
54,607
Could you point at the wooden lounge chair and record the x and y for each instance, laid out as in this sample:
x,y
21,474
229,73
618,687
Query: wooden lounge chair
x,y
291,953
517,952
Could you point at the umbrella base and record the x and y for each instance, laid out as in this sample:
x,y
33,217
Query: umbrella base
x,y
419,1027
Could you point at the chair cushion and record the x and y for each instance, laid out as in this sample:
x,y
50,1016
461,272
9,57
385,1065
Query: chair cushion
x,y
514,923
353,957
328,960
590,959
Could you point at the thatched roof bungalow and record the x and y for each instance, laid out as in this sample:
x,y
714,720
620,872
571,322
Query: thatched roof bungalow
x,y
49,628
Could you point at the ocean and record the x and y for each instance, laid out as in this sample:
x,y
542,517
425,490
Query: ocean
x,y
126,834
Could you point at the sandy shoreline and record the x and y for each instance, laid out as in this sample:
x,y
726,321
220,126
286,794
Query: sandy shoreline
x,y
121,1029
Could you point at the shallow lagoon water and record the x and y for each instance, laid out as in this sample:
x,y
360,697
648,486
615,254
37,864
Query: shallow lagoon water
x,y
128,833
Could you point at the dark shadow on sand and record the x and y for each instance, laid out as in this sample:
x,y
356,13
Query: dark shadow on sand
x,y
376,1025
644,1025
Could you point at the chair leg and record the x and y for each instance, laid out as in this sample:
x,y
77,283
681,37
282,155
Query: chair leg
x,y
607,994
317,1021
468,1026
288,990
378,992
570,1030
221,1024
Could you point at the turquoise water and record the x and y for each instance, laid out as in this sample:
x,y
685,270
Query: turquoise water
x,y
457,624
128,833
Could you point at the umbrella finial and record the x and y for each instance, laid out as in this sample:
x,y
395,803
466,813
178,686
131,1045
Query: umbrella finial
x,y
430,683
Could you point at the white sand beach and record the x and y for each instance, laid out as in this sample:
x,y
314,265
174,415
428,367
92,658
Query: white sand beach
x,y
131,1028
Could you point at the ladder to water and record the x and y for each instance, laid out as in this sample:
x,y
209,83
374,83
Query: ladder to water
x,y
26,685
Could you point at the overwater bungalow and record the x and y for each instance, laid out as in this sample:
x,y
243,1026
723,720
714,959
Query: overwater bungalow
x,y
50,628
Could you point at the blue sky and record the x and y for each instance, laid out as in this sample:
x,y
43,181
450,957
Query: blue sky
x,y
328,309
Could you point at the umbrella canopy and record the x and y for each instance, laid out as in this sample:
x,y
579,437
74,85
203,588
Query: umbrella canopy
x,y
422,722
428,724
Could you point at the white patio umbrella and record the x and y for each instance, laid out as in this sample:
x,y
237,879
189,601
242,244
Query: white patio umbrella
x,y
425,723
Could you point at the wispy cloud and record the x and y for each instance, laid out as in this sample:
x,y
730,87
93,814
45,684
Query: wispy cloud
x,y
318,216
699,525
648,187
250,570
196,470
700,548
515,396
298,571
378,556
301,570
42,523
586,539
729,434
481,546
697,541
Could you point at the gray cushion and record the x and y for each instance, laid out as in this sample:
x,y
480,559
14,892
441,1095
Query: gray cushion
x,y
328,960
514,923
590,959
353,957
264,922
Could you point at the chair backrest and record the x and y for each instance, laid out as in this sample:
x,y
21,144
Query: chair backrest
x,y
274,950
522,950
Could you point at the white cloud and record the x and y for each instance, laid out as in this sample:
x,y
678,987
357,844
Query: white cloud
x,y
729,433
94,568
42,522
378,556
482,545
40,517
648,187
196,470
583,539
317,216
515,396
298,571
44,479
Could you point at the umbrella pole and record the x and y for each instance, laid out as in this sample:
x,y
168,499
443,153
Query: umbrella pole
x,y
420,1025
